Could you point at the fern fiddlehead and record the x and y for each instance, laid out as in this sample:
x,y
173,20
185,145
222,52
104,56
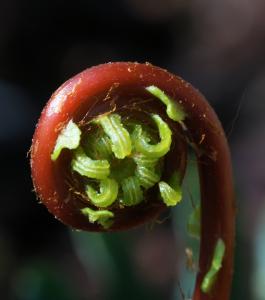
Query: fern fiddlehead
x,y
95,172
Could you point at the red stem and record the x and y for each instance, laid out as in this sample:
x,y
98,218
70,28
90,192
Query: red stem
x,y
217,195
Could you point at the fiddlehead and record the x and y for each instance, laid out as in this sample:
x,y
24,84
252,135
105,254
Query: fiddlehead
x,y
109,142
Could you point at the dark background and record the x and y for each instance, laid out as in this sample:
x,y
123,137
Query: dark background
x,y
219,47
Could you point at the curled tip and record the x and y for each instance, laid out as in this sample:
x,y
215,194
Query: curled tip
x,y
108,193
158,150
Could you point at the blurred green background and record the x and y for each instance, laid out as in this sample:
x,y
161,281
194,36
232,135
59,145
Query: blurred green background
x,y
219,47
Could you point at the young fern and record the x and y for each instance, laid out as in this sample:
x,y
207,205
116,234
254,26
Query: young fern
x,y
105,176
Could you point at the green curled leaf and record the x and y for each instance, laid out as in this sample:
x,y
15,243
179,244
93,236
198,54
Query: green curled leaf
x,y
119,136
174,110
170,196
85,166
194,223
147,176
107,195
216,265
132,192
97,146
141,142
68,138
102,217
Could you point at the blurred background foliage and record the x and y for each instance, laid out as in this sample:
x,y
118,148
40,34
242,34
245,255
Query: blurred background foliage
x,y
219,47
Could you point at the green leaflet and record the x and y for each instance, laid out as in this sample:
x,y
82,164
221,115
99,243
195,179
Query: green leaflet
x,y
119,136
85,166
132,192
174,110
68,138
107,195
102,217
194,223
210,277
170,196
147,176
141,141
